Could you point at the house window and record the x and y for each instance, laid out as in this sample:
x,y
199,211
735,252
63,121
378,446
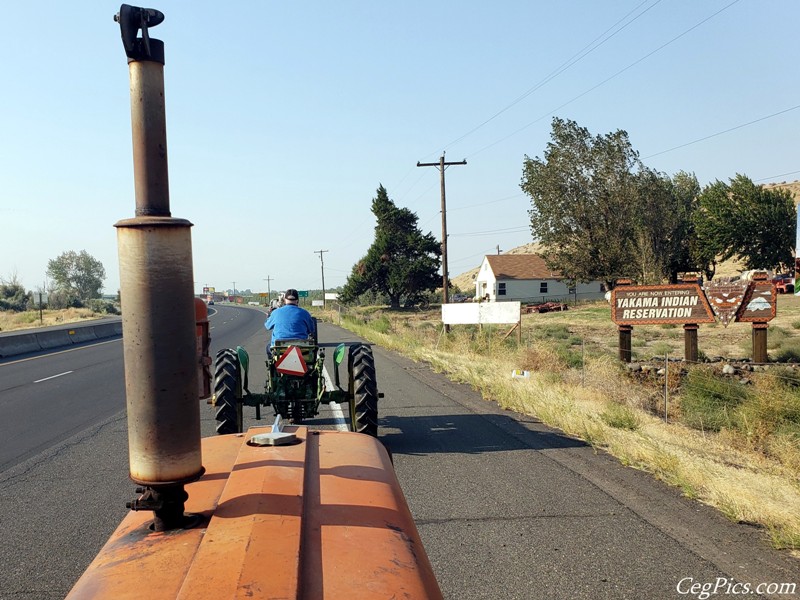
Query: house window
x,y
542,287
501,289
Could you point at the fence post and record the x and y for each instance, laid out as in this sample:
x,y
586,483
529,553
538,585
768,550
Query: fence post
x,y
666,385
583,362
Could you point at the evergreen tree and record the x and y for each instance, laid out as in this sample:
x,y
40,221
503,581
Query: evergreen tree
x,y
402,262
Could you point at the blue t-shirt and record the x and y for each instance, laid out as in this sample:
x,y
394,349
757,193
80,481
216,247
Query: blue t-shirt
x,y
290,322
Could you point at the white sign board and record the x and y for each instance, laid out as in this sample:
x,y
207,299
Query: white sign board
x,y
481,313
331,296
317,303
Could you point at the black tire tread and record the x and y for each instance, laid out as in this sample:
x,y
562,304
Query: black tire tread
x,y
228,412
365,390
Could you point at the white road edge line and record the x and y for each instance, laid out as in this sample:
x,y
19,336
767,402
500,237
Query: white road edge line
x,y
53,376
336,409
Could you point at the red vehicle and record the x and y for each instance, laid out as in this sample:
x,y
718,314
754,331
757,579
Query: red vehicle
x,y
784,284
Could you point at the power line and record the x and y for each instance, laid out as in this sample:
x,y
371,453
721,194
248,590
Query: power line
x,y
778,175
708,137
574,59
491,232
489,202
617,74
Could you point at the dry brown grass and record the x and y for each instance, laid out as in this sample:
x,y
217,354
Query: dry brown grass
x,y
599,403
14,321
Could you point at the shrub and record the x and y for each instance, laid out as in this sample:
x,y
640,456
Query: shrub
x,y
13,296
569,356
709,402
381,325
661,348
559,332
102,306
788,353
63,299
620,416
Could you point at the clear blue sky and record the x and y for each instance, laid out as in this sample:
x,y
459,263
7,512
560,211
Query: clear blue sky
x,y
284,117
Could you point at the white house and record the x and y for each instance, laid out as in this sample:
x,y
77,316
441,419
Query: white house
x,y
525,277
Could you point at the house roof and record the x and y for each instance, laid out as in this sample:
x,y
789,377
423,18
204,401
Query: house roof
x,y
520,266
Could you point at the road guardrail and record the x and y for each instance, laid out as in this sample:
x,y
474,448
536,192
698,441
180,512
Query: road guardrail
x,y
15,343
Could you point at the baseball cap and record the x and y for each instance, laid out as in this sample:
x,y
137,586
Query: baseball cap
x,y
291,294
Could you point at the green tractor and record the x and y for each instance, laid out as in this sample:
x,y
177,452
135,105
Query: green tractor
x,y
296,385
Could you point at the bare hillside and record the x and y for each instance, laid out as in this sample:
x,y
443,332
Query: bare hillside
x,y
792,186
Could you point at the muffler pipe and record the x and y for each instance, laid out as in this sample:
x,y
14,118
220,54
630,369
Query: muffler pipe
x,y
157,294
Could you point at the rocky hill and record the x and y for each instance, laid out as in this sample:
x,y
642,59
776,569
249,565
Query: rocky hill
x,y
792,186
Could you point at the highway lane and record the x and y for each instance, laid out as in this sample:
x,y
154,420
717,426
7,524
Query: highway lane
x,y
506,507
48,397
62,495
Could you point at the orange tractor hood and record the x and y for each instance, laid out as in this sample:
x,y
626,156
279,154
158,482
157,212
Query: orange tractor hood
x,y
322,518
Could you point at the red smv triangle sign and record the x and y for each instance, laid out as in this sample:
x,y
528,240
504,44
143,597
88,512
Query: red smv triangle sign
x,y
291,363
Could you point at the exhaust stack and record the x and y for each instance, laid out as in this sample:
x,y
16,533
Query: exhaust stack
x,y
157,291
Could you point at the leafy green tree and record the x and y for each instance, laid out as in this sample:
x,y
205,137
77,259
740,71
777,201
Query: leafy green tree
x,y
402,262
13,296
685,190
664,230
584,197
748,222
77,274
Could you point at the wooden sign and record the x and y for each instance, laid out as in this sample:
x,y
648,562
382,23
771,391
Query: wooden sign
x,y
759,303
660,304
725,298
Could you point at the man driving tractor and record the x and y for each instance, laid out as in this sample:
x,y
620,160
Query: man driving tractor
x,y
290,322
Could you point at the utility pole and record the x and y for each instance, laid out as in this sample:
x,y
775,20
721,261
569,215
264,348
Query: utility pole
x,y
269,290
498,249
441,165
322,264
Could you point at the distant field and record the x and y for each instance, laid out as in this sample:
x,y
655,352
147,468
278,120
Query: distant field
x,y
14,321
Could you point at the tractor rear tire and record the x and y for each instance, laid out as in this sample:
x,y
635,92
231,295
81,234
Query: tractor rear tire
x,y
227,392
364,388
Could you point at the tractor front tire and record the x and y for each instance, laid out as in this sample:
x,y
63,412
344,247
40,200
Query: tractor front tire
x,y
364,389
227,392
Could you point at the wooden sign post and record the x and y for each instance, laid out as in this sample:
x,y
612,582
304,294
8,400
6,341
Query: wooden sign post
x,y
759,306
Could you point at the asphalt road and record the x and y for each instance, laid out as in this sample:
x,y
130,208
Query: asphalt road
x,y
506,507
